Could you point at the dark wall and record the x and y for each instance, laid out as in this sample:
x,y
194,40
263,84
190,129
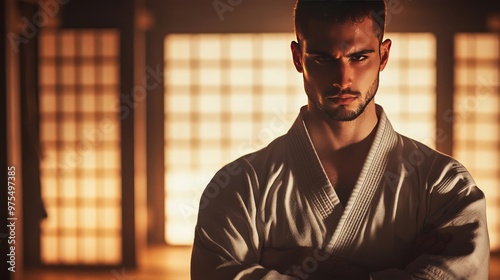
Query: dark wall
x,y
4,273
207,16
95,14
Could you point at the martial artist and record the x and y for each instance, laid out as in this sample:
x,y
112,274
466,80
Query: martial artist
x,y
341,195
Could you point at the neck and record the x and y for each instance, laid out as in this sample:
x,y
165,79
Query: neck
x,y
334,136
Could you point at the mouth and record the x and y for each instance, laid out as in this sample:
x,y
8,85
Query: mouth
x,y
343,99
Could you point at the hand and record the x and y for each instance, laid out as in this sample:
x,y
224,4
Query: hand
x,y
430,241
282,260
311,263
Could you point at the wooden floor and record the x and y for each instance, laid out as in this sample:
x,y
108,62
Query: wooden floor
x,y
159,263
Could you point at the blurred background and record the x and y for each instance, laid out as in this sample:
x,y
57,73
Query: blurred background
x,y
118,113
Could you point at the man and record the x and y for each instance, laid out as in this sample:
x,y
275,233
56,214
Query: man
x,y
342,195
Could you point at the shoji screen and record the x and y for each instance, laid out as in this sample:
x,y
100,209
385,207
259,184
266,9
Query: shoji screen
x,y
477,126
230,94
79,123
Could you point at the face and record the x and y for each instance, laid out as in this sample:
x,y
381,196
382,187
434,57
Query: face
x,y
340,64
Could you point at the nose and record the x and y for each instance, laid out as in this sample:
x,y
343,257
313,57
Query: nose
x,y
342,76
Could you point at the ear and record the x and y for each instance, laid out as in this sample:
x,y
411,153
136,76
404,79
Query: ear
x,y
297,56
385,49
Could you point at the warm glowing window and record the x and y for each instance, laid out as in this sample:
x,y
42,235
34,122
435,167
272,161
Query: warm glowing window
x,y
477,126
226,95
230,94
408,86
79,127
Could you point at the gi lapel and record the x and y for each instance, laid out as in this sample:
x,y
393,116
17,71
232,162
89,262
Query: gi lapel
x,y
309,174
369,180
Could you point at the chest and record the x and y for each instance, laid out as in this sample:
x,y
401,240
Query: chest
x,y
379,241
343,175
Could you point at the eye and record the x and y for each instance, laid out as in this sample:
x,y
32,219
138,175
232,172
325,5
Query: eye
x,y
358,58
322,59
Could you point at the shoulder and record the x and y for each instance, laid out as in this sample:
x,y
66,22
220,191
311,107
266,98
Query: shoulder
x,y
243,176
440,171
264,159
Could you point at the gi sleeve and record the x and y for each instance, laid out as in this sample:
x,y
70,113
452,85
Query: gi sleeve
x,y
457,206
227,241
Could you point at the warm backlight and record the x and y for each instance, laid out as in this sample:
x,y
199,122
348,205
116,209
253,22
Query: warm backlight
x,y
477,107
79,130
230,94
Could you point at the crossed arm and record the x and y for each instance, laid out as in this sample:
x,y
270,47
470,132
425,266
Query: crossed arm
x,y
228,242
325,266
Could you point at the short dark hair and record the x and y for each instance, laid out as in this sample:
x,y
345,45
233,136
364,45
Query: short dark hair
x,y
340,11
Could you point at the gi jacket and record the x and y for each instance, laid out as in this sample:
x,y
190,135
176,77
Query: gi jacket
x,y
280,197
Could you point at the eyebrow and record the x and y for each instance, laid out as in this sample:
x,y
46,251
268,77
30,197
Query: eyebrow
x,y
361,52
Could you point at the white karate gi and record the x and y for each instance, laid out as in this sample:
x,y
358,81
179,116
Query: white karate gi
x,y
280,197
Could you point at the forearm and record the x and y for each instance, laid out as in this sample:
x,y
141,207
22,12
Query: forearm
x,y
466,256
311,263
209,265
